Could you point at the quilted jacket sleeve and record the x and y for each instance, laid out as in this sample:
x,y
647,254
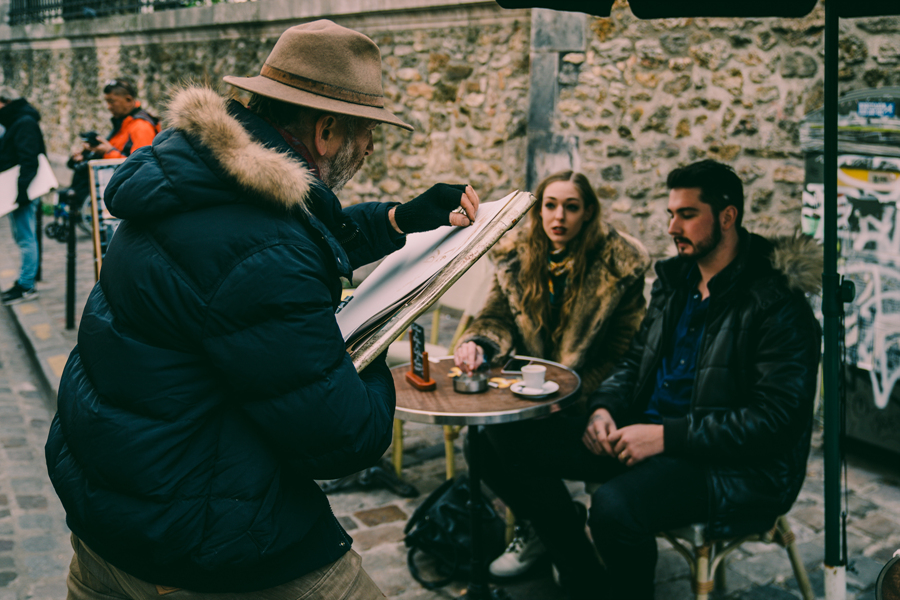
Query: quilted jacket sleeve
x,y
379,237
283,357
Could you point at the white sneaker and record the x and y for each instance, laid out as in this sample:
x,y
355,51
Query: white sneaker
x,y
525,550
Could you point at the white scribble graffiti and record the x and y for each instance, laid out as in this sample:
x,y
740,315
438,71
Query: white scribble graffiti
x,y
869,235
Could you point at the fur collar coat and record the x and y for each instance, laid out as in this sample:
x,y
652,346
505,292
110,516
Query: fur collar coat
x,y
606,315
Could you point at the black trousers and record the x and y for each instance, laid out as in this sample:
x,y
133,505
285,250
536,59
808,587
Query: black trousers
x,y
524,464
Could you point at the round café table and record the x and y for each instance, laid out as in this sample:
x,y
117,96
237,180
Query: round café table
x,y
445,406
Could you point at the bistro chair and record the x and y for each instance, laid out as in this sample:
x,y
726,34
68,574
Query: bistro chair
x,y
706,556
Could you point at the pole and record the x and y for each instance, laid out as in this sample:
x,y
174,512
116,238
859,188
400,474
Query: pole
x,y
70,269
832,306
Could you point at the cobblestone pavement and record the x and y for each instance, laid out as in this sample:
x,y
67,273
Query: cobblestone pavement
x,y
34,539
34,549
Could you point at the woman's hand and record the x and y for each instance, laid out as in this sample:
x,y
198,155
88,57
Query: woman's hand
x,y
599,429
468,356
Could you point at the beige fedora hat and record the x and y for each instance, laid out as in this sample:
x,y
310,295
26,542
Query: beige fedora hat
x,y
327,67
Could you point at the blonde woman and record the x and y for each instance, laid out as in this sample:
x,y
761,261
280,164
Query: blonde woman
x,y
568,288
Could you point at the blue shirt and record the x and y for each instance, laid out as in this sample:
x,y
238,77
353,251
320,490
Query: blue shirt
x,y
675,377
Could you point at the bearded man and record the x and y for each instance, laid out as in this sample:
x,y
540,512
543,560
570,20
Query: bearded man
x,y
706,419
210,386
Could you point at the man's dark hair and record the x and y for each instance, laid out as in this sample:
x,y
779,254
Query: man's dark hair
x,y
719,185
300,119
121,86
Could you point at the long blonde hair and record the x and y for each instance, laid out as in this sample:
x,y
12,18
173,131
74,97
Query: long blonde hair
x,y
582,249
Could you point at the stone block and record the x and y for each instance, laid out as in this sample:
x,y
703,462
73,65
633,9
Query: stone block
x,y
36,521
43,565
41,543
31,501
677,589
877,525
862,572
768,592
816,582
764,568
380,515
393,582
364,539
812,553
27,485
798,65
347,523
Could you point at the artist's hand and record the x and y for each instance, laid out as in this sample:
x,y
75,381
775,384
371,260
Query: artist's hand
x,y
468,356
635,443
435,208
596,436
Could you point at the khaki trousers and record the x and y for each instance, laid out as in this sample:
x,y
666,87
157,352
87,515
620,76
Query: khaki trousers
x,y
92,578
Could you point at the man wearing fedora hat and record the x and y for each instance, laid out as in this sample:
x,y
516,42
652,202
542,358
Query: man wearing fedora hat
x,y
210,387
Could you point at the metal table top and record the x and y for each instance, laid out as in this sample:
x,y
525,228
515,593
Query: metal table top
x,y
444,406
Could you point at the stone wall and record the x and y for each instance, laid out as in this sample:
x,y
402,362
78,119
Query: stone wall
x,y
501,98
457,71
643,97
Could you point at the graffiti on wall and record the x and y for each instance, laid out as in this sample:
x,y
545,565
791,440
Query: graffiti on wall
x,y
869,237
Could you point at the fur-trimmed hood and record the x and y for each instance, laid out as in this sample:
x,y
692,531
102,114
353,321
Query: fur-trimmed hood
x,y
237,156
801,260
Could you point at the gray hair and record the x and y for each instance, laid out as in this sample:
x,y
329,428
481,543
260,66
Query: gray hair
x,y
8,94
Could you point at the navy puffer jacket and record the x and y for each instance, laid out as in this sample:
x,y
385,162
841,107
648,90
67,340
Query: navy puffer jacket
x,y
210,386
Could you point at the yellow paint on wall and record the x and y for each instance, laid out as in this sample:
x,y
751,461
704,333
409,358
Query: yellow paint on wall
x,y
8,273
57,362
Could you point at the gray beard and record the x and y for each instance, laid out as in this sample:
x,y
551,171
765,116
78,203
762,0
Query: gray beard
x,y
342,168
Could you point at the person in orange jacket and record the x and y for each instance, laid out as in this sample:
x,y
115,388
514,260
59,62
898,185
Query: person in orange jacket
x,y
133,127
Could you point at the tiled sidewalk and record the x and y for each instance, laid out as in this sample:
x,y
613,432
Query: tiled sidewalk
x,y
375,519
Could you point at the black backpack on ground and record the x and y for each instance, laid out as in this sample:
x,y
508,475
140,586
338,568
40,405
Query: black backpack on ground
x,y
441,528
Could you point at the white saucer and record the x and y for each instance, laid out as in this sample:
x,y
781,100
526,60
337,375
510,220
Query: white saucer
x,y
519,389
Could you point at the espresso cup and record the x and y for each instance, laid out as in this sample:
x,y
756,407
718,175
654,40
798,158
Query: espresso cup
x,y
533,376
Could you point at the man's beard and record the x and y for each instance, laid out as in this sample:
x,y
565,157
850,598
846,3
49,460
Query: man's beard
x,y
704,247
343,166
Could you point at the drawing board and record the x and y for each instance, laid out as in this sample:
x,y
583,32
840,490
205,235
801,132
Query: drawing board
x,y
100,171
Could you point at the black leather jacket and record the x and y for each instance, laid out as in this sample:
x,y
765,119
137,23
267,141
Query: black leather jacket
x,y
751,409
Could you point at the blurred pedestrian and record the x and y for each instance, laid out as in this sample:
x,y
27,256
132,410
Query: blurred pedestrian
x,y
132,126
21,145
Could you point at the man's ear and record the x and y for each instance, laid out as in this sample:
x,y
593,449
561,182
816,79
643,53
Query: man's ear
x,y
728,217
326,135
